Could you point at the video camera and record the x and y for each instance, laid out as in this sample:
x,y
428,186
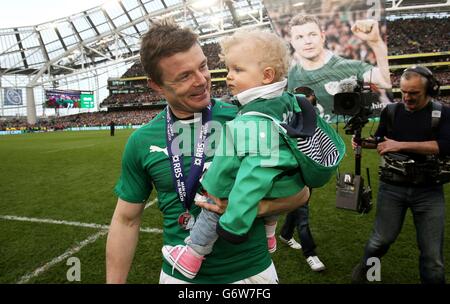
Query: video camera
x,y
356,101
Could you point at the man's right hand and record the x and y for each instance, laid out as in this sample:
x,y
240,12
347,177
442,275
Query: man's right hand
x,y
122,240
367,30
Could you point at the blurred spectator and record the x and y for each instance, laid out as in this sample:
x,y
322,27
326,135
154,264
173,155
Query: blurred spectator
x,y
442,76
97,119
211,51
411,36
405,36
147,98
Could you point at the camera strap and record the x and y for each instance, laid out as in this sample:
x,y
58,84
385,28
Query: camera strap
x,y
435,116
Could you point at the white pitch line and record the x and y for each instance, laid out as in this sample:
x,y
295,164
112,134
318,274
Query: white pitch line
x,y
50,221
62,257
67,223
70,252
76,224
151,203
68,148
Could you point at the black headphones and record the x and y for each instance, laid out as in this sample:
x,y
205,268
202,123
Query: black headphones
x,y
432,83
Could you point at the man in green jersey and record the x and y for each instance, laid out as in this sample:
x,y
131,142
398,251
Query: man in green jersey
x,y
177,68
320,70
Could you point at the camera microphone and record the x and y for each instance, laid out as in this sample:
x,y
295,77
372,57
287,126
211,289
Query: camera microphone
x,y
348,85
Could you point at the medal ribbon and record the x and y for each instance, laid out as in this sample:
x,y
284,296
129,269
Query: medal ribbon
x,y
186,186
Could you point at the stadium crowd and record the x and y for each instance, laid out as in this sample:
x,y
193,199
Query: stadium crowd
x,y
211,51
442,76
404,36
409,36
96,119
134,99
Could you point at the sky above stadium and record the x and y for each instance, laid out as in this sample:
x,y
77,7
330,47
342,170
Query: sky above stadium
x,y
32,12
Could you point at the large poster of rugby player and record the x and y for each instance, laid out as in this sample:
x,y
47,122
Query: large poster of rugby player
x,y
335,44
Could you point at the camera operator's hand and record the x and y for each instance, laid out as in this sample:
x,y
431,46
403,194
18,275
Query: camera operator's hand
x,y
389,145
354,144
367,30
366,143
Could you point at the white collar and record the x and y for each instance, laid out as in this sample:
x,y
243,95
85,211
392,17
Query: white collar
x,y
328,55
266,91
197,118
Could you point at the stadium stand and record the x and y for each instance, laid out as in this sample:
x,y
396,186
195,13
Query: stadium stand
x,y
410,36
57,186
410,41
405,36
96,119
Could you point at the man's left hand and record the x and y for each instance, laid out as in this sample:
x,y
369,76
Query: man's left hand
x,y
389,145
265,207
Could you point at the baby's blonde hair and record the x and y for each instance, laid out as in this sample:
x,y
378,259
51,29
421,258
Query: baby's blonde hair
x,y
272,49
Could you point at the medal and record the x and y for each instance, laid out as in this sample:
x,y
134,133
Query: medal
x,y
186,220
186,186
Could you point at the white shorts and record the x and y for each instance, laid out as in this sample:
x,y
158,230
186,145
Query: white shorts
x,y
268,276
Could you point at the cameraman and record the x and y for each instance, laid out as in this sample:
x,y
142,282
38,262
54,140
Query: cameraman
x,y
410,133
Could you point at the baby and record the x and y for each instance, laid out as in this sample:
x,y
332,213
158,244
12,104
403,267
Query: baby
x,y
257,63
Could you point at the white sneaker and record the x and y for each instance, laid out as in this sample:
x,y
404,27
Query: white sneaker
x,y
315,263
291,243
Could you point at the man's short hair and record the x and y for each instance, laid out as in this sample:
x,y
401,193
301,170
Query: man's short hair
x,y
164,39
411,74
301,19
268,48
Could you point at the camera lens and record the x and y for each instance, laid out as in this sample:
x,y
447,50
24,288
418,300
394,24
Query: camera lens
x,y
347,103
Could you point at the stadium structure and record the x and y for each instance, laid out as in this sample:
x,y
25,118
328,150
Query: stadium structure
x,y
81,72
92,50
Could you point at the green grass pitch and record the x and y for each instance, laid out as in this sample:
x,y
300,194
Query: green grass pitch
x,y
69,176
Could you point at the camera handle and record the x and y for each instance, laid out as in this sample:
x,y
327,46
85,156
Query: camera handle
x,y
365,195
358,154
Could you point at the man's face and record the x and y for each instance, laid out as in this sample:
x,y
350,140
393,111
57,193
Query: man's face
x,y
244,71
413,93
186,81
307,40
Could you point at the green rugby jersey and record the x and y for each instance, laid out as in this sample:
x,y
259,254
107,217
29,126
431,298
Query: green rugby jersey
x,y
238,171
336,69
145,165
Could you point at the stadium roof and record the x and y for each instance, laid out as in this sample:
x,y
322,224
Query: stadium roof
x,y
112,32
417,5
